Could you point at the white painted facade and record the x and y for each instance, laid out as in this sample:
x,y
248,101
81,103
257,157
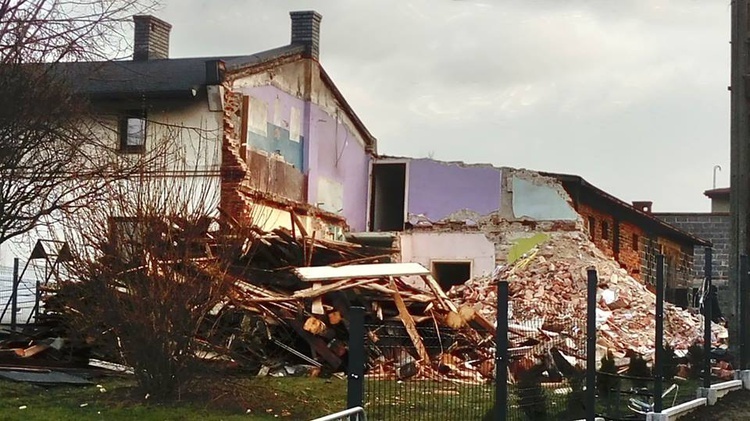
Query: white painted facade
x,y
427,248
187,138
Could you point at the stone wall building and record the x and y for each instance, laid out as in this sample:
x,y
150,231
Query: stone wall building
x,y
715,227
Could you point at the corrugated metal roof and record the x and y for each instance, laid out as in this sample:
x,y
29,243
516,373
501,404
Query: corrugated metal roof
x,y
380,270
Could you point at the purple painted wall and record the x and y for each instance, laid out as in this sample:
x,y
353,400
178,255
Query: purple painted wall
x,y
330,151
338,156
437,189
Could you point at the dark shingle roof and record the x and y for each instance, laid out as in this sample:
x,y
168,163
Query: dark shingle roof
x,y
717,193
161,77
644,219
177,78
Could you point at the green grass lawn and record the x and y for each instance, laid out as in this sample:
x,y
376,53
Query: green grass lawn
x,y
266,398
227,399
412,399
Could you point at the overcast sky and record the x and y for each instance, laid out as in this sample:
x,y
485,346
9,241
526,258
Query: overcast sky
x,y
631,95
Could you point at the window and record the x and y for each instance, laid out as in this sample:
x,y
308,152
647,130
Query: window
x,y
449,274
132,132
636,240
592,227
605,230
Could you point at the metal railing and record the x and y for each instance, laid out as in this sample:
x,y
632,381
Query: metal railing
x,y
351,414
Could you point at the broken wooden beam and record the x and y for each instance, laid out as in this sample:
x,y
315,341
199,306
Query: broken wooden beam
x,y
408,322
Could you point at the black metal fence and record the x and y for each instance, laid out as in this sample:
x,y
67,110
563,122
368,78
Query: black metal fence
x,y
547,363
541,364
18,296
456,386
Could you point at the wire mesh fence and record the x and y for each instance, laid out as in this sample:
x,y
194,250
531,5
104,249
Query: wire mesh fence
x,y
397,386
547,364
27,293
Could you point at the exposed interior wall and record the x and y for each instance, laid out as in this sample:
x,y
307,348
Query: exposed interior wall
x,y
308,130
442,190
540,198
426,248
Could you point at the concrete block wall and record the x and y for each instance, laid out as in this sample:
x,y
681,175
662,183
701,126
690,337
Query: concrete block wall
x,y
714,227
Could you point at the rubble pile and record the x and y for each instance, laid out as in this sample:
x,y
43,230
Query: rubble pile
x,y
273,320
278,316
547,287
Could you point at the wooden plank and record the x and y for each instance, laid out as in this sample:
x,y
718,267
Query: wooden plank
x,y
373,270
483,323
317,304
337,286
310,250
408,322
317,344
293,224
361,260
297,222
443,299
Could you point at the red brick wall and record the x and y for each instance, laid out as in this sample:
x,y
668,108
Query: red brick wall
x,y
639,257
233,166
632,245
629,257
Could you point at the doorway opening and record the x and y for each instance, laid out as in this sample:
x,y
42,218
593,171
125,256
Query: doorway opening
x,y
388,197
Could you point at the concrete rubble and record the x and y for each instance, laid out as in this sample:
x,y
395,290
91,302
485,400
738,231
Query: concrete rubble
x,y
547,287
273,319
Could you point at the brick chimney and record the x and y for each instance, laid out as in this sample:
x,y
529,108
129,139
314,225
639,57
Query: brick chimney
x,y
643,206
306,31
151,38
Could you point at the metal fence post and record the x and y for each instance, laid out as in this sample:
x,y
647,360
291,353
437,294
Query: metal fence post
x,y
659,335
14,296
707,316
744,278
355,381
501,352
591,344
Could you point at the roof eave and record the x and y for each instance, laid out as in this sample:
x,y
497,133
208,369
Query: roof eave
x,y
660,225
369,139
125,94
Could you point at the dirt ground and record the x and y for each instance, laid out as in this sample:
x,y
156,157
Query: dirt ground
x,y
732,407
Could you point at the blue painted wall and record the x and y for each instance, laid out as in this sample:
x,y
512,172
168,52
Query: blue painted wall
x,y
278,139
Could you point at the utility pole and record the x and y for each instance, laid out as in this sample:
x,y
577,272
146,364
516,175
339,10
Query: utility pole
x,y
739,177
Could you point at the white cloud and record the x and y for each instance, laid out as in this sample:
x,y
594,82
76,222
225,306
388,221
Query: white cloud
x,y
629,94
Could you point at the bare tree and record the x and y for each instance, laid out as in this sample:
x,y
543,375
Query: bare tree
x,y
53,157
147,270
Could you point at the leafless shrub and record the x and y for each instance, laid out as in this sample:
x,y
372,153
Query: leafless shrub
x,y
54,158
147,271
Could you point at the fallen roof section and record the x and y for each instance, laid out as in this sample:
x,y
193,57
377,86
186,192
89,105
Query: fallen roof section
x,y
378,270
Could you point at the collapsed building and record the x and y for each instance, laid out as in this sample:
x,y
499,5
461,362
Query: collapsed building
x,y
271,143
462,220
